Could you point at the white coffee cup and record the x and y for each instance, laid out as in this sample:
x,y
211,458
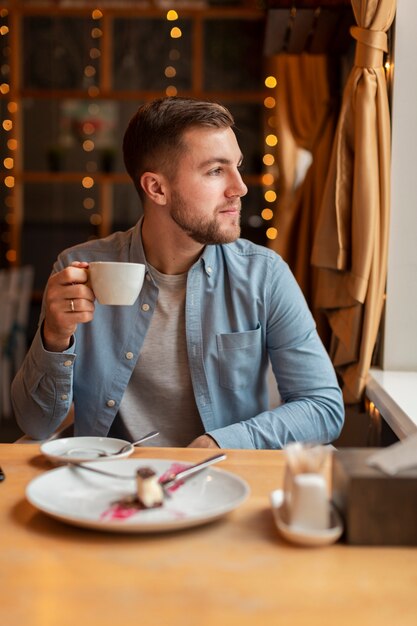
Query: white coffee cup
x,y
116,283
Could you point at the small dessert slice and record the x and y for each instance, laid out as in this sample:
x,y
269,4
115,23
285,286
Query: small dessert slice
x,y
149,491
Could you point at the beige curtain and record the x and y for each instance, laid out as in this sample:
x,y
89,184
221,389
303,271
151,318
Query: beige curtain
x,y
351,237
305,120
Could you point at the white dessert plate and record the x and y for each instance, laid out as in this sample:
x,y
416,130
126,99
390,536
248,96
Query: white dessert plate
x,y
299,536
85,499
85,449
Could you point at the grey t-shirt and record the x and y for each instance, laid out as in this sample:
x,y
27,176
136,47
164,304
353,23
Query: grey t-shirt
x,y
159,395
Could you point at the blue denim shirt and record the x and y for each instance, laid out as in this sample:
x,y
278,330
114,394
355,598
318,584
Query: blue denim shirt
x,y
243,307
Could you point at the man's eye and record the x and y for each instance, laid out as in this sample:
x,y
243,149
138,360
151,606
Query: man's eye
x,y
215,172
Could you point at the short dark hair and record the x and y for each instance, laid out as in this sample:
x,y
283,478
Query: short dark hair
x,y
153,137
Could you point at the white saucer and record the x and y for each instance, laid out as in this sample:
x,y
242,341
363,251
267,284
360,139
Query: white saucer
x,y
303,537
85,449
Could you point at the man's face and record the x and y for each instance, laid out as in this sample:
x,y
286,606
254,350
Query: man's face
x,y
206,189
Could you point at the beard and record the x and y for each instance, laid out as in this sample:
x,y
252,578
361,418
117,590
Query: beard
x,y
208,230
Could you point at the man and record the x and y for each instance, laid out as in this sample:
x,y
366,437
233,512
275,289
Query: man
x,y
190,358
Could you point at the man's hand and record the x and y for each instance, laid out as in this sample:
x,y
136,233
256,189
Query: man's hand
x,y
68,302
204,441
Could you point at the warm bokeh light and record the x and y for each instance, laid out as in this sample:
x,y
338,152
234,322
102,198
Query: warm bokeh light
x,y
269,102
95,53
267,179
8,163
176,32
93,91
268,159
272,121
171,90
96,33
271,82
170,71
89,71
87,182
95,219
11,255
12,107
9,181
88,145
4,88
89,203
7,124
4,30
267,214
12,144
271,140
270,195
272,233
88,128
172,15
96,14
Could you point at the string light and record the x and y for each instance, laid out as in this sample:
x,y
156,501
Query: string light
x,y
87,182
176,32
271,82
268,179
8,127
270,195
174,54
267,214
88,127
268,159
269,102
271,140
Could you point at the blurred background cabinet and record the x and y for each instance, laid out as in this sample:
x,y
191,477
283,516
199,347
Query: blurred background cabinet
x,y
72,75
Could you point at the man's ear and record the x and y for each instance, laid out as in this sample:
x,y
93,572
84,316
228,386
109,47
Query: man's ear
x,y
155,187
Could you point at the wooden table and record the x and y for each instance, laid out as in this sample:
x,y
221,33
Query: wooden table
x,y
234,571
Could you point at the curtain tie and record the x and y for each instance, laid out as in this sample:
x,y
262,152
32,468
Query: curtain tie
x,y
370,47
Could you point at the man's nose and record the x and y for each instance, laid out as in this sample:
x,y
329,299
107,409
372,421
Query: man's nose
x,y
237,187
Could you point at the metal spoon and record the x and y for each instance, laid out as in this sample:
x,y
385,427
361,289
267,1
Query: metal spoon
x,y
124,448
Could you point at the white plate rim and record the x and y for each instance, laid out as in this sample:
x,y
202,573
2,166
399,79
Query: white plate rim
x,y
142,527
304,538
51,449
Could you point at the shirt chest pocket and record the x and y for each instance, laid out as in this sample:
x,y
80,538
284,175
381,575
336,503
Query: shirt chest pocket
x,y
239,358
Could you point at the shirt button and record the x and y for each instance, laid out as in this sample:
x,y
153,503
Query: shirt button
x,y
129,355
64,396
110,403
67,363
148,278
209,270
145,307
